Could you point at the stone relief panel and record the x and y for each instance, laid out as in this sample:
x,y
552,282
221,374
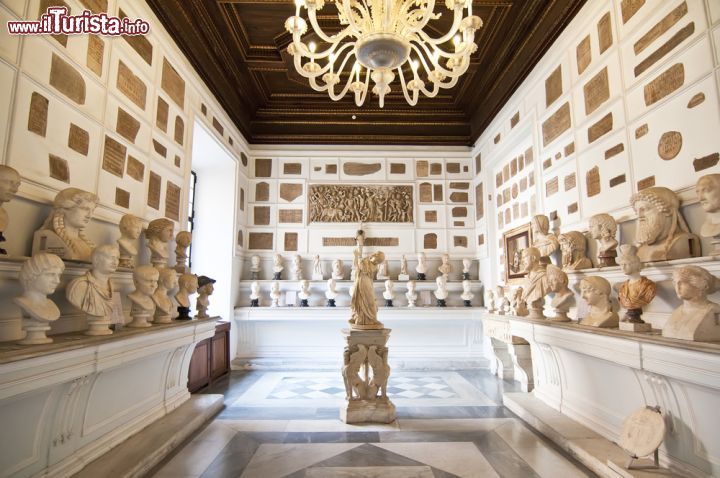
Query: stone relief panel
x,y
359,203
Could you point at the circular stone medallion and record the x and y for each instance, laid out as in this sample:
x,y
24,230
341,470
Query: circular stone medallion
x,y
643,432
669,145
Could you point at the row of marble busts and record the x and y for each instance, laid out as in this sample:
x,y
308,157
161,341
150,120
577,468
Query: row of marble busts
x,y
441,293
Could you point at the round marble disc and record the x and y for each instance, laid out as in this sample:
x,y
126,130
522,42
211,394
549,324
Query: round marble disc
x,y
643,432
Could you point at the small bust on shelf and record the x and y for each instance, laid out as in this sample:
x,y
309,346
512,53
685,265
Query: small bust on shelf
x,y
535,285
708,192
411,295
557,282
158,234
145,278
39,277
502,304
337,270
63,232
441,293
596,292
130,230
518,306
382,273
188,285
317,273
445,267
603,229
388,294
490,301
182,242
304,293
255,267
544,241
165,309
421,268
635,293
467,262
403,276
467,295
277,266
297,267
573,246
255,293
9,185
275,294
331,294
205,289
698,318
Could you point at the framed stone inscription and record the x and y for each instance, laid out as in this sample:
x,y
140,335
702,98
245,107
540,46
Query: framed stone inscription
x,y
669,145
679,37
294,216
59,168
583,54
261,240
159,148
430,241
114,157
645,183
706,162
261,215
135,169
263,167
479,202
127,126
604,28
154,186
397,168
179,130
360,203
596,91
78,139
131,85
95,54
615,150
629,8
553,86
291,241
122,198
592,182
173,84
37,118
460,241
67,80
603,126
667,82
431,216
290,191
172,201
292,168
661,27
556,124
139,43
218,126
161,119
262,192
352,168
696,100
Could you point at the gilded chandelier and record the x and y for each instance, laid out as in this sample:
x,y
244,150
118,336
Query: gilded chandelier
x,y
376,39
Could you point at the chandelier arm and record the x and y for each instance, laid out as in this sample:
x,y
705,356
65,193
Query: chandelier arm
x,y
360,99
352,25
320,33
411,101
457,18
349,81
438,66
429,10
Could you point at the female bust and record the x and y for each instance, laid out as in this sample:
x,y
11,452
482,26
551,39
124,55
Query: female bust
x,y
205,290
159,233
411,295
164,310
557,281
145,278
331,294
275,294
39,277
596,291
130,229
188,284
697,318
441,293
543,240
9,185
445,267
182,242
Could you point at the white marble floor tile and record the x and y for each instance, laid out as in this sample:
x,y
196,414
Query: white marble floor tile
x,y
338,426
451,424
172,474
272,460
370,472
194,458
256,425
462,459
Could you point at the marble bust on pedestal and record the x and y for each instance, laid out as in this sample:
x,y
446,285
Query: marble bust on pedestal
x,y
188,285
165,308
39,277
467,295
159,233
304,293
603,229
255,267
517,303
445,267
275,294
277,266
63,232
331,294
145,278
635,293
557,282
337,270
535,285
9,185
411,295
466,268
441,293
205,289
543,240
596,292
297,267
130,230
421,268
255,293
502,304
182,242
708,192
574,248
388,294
697,318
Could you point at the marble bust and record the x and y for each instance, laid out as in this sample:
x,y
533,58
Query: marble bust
x,y
255,267
39,277
165,308
277,266
297,267
145,278
331,294
490,301
388,293
304,293
445,267
467,262
363,307
382,273
542,239
535,285
557,282
205,289
188,285
421,268
708,193
467,295
63,232
182,242
158,234
411,295
337,270
697,318
92,292
130,230
573,246
603,229
662,233
502,304
317,273
596,292
517,304
403,269
9,185
275,294
635,293
441,293
255,293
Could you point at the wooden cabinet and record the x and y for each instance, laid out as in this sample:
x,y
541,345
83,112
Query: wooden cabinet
x,y
211,358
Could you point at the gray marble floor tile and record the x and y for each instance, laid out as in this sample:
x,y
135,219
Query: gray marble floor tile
x,y
233,458
332,437
369,455
503,458
430,436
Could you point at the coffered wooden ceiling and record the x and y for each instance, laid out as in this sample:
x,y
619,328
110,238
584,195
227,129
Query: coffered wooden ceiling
x,y
239,48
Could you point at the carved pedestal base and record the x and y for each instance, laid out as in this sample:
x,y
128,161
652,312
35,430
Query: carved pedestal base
x,y
466,276
254,302
368,411
467,303
163,319
607,259
303,303
140,320
441,303
388,303
403,277
184,313
255,275
420,276
98,325
560,316
159,263
36,330
126,262
276,276
635,327
535,313
330,303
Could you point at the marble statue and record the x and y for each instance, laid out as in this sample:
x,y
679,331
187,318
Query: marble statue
x,y
382,273
557,282
388,294
188,285
255,293
535,284
543,240
377,362
708,193
445,267
603,229
360,240
92,292
255,267
63,232
421,268
331,294
635,293
662,233
354,385
165,309
573,246
403,276
39,277
277,267
596,292
411,295
182,242
130,230
697,318
467,295
275,294
297,267
158,234
145,278
518,306
9,185
467,262
304,293
441,293
337,270
317,273
205,290
363,307
502,304
490,301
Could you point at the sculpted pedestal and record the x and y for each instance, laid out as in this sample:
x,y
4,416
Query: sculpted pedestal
x,y
365,373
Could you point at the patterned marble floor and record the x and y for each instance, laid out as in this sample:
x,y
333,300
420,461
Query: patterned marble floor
x,y
285,425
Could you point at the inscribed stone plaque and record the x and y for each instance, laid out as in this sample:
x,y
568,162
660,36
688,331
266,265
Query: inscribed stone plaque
x,y
506,195
558,155
203,109
513,167
497,139
430,241
264,240
706,162
630,8
458,197
139,43
262,192
523,185
360,203
438,192
430,216
617,180
135,169
292,168
570,182
95,53
514,120
263,167
59,168
641,131
553,86
531,179
596,91
352,168
514,191
572,208
218,126
177,161
261,215
331,169
290,192
478,163
242,199
243,159
592,182
67,80
78,139
44,4
696,100
122,198
179,130
458,223
460,241
551,187
524,209
452,168
161,119
127,126
583,54
240,238
95,6
603,126
646,183
615,150
291,241
339,242
481,239
547,164
131,85
435,169
569,149
667,82
508,216
669,145
37,118
422,169
501,223
459,185
114,157
230,140
397,168
160,148
154,185
506,173
425,192
665,48
459,212
172,201
173,84
291,216
498,180
516,211
604,28
661,27
529,151
556,125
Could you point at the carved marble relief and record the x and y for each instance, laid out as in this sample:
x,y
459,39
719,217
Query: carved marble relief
x,y
397,168
665,48
570,182
453,168
357,203
431,216
177,161
514,120
617,180
435,169
666,83
67,80
460,241
479,202
44,4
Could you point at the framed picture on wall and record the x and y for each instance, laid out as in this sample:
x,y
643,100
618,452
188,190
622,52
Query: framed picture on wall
x,y
514,241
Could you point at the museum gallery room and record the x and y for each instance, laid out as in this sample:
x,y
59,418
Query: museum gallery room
x,y
359,238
